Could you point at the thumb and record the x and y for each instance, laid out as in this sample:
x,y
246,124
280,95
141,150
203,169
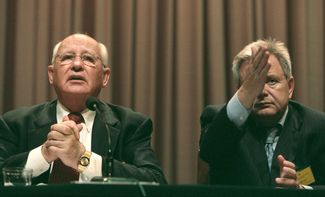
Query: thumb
x,y
77,134
65,118
79,127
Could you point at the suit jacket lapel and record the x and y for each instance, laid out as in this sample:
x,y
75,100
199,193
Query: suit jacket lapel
x,y
255,144
40,126
100,132
287,145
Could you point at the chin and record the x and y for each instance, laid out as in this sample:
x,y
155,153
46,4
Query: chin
x,y
265,112
76,89
76,93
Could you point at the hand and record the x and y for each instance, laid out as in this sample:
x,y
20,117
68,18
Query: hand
x,y
63,143
288,174
253,75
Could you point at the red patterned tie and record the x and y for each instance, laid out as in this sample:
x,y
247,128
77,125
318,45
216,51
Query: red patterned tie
x,y
77,117
60,172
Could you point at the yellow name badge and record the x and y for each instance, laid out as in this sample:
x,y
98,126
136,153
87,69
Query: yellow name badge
x,y
305,176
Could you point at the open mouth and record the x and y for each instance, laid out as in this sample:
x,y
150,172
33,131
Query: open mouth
x,y
77,78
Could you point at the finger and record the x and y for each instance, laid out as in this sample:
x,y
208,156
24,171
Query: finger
x,y
287,168
262,61
55,150
76,131
259,57
55,135
64,146
280,161
57,143
285,182
62,128
264,64
67,127
261,74
65,118
285,163
288,173
76,128
254,50
289,164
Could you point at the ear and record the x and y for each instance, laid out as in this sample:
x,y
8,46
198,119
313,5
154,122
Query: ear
x,y
50,71
291,84
106,75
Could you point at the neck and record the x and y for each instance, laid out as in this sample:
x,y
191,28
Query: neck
x,y
74,103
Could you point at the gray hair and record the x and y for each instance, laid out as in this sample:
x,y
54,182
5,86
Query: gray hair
x,y
102,50
275,48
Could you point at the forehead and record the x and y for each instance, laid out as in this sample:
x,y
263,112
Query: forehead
x,y
79,44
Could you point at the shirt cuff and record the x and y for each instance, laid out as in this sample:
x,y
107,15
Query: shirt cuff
x,y
236,112
37,162
94,168
305,187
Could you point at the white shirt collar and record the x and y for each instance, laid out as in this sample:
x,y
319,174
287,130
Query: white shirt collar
x,y
281,121
88,115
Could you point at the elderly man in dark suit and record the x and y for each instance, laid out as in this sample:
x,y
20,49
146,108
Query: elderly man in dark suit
x,y
261,137
63,137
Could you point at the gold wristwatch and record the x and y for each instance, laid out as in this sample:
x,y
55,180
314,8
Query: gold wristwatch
x,y
84,161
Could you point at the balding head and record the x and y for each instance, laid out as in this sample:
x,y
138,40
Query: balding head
x,y
101,48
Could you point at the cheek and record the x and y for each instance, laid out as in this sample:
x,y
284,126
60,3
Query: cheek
x,y
280,97
96,78
59,77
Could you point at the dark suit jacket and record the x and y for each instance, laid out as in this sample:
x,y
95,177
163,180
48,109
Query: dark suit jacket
x,y
237,156
26,128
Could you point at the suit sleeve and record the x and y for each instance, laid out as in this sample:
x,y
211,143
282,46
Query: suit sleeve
x,y
219,136
9,144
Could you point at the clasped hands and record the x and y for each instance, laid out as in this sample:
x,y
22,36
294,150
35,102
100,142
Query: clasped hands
x,y
63,143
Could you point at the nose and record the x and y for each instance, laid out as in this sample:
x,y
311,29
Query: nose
x,y
77,64
264,92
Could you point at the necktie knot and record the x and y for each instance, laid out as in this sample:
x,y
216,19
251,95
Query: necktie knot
x,y
272,133
76,117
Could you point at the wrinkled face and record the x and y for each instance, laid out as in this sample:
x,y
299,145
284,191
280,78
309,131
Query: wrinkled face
x,y
78,69
273,100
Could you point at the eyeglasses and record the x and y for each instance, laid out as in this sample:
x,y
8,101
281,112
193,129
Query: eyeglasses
x,y
86,58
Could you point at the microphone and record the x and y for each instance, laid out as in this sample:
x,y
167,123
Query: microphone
x,y
93,104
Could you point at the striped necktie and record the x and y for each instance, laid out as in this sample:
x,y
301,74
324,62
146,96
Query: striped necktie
x,y
270,144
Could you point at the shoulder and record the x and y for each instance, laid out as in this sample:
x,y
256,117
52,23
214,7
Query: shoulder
x,y
126,114
305,111
310,119
26,112
211,110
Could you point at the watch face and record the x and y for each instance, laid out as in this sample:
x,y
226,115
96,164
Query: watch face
x,y
84,161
